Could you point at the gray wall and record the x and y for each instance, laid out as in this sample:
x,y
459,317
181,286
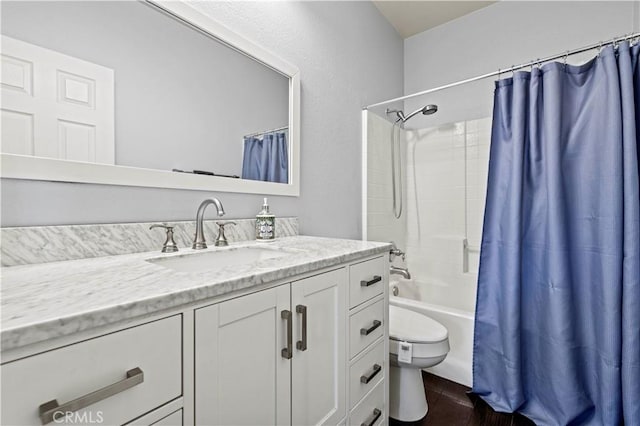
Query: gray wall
x,y
182,100
498,36
348,56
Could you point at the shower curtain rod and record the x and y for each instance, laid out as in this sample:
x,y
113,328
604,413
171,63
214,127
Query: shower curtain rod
x,y
267,131
510,69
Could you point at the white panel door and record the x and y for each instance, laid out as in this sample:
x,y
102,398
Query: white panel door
x,y
55,105
241,376
319,367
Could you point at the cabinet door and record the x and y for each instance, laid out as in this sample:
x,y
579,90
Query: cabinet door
x,y
241,377
319,367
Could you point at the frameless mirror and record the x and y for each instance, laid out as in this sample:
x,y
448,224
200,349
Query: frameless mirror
x,y
144,94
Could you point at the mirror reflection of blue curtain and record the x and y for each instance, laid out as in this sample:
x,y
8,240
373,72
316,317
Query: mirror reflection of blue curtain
x,y
557,330
266,158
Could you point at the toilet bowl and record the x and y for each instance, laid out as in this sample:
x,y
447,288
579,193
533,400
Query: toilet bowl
x,y
415,342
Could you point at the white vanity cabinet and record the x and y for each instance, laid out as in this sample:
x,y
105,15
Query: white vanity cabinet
x,y
368,342
309,349
111,379
275,357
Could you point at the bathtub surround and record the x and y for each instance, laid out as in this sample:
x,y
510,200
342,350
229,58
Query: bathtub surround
x,y
382,225
445,174
41,244
447,170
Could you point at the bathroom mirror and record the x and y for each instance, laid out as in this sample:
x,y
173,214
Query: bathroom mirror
x,y
144,94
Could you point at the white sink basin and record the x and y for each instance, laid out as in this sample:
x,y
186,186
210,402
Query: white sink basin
x,y
212,260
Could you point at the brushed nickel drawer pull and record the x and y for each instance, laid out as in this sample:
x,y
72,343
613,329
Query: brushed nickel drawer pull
x,y
48,410
287,353
376,279
366,379
302,344
373,418
367,331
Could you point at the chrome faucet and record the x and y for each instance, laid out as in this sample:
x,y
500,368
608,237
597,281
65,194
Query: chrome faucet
x,y
393,253
199,241
400,271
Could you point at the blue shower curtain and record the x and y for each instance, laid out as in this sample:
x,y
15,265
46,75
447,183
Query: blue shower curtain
x,y
557,331
266,158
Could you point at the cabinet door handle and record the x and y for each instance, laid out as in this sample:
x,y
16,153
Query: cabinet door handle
x,y
48,410
302,344
376,279
372,418
367,331
287,353
367,378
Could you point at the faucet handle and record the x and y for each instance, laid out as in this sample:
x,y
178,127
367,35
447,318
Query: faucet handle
x,y
395,251
221,240
222,224
169,245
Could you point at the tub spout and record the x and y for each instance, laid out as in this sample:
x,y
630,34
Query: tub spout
x,y
400,271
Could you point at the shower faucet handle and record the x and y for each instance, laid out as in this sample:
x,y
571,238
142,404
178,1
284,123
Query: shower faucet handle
x,y
395,251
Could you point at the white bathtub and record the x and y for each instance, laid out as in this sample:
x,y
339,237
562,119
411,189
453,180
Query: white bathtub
x,y
453,310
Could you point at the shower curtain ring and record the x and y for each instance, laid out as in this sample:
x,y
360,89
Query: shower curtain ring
x,y
566,55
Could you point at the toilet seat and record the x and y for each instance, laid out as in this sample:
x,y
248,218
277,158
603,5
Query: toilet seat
x,y
429,338
410,326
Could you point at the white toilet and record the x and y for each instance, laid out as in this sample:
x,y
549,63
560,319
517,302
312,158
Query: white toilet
x,y
426,341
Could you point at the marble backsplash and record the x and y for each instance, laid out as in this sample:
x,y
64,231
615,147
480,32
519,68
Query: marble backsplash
x,y
42,244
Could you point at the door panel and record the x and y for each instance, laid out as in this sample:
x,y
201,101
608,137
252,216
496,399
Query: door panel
x,y
241,377
55,105
319,371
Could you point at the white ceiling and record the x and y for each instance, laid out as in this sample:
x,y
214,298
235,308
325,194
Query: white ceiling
x,y
413,17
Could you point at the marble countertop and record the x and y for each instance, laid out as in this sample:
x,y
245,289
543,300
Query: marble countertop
x,y
45,301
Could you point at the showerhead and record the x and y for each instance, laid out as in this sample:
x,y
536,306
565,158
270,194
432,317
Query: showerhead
x,y
430,109
425,110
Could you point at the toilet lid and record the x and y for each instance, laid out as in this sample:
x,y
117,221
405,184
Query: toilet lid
x,y
410,326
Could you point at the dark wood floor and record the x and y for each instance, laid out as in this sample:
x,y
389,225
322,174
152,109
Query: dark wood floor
x,y
450,405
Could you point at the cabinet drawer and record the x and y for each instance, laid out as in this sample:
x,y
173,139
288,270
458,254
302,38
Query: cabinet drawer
x,y
366,372
371,410
133,371
174,419
366,280
365,327
166,415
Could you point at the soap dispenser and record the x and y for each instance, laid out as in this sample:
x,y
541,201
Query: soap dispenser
x,y
265,224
